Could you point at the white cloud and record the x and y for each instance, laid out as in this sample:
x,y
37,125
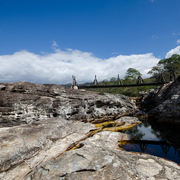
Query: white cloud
x,y
58,67
54,44
173,51
178,41
152,0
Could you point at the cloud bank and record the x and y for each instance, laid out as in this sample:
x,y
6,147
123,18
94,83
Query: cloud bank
x,y
173,51
58,67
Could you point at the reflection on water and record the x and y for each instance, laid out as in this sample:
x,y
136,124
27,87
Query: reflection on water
x,y
156,139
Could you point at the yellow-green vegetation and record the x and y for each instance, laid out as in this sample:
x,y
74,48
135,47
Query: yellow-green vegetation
x,y
128,91
103,124
166,70
119,128
94,132
114,126
122,143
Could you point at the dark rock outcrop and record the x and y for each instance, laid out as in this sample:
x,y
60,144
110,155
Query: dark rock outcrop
x,y
24,103
148,99
164,103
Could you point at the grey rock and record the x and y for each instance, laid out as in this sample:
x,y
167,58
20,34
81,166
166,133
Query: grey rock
x,y
43,151
26,146
128,120
42,147
167,102
24,103
148,167
100,158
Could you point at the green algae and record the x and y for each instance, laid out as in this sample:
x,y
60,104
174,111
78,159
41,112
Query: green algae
x,y
108,126
104,124
120,128
114,126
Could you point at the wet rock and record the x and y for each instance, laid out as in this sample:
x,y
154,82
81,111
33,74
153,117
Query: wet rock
x,y
24,103
123,123
120,124
100,158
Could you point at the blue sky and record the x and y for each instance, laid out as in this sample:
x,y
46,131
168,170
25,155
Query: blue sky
x,y
49,41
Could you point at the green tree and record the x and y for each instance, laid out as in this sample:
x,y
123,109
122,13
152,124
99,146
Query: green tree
x,y
132,74
171,65
156,71
168,67
113,79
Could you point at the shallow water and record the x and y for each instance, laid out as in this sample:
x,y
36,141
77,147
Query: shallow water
x,y
149,137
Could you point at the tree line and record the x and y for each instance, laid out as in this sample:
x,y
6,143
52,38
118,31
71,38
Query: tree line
x,y
166,69
169,68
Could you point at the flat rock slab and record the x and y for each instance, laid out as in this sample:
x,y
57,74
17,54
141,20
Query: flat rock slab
x,y
26,146
100,158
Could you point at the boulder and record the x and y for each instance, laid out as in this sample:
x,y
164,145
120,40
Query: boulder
x,y
24,103
166,102
148,99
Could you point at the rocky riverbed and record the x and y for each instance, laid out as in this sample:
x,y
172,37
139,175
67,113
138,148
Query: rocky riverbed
x,y
24,103
51,132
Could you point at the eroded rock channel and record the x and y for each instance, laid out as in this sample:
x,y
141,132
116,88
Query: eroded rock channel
x,y
41,123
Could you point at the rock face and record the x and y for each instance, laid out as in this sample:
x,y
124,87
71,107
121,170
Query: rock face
x,y
24,102
148,99
165,103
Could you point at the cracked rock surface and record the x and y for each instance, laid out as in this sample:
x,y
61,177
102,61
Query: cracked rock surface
x,y
43,151
26,146
100,158
24,103
47,127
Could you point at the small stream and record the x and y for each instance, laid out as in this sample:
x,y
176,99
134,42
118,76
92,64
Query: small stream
x,y
162,140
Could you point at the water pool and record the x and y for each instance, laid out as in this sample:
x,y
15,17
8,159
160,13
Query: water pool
x,y
158,139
